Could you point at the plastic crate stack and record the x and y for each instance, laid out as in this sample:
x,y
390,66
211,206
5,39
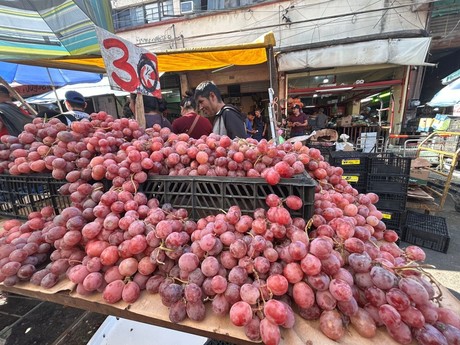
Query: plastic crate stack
x,y
21,195
354,165
388,177
427,231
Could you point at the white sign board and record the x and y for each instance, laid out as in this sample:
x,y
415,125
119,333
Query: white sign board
x,y
129,68
456,109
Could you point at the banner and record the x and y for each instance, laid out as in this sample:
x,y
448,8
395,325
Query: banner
x,y
129,67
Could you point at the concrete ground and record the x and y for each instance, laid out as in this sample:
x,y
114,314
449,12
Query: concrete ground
x,y
447,270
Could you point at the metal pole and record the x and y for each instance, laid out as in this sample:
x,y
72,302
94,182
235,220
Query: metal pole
x,y
18,96
54,90
271,115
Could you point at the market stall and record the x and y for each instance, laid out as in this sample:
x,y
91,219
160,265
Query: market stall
x,y
132,239
149,309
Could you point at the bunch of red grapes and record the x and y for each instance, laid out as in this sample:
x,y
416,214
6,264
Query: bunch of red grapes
x,y
342,266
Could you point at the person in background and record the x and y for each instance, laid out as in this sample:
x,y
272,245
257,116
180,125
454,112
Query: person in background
x,y
75,104
127,110
228,120
190,122
153,111
250,125
6,98
7,101
259,125
321,120
298,121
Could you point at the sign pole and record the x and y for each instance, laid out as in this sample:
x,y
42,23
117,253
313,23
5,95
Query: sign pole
x,y
139,113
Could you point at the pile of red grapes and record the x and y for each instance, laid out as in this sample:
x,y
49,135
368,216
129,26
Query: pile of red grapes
x,y
341,267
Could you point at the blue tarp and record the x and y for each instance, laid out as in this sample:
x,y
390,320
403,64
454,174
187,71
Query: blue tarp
x,y
35,75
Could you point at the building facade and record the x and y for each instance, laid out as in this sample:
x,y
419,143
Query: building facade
x,y
329,53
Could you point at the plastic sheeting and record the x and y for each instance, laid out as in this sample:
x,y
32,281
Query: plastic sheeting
x,y
403,51
43,29
448,96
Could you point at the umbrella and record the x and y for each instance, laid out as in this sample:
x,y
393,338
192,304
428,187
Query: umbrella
x,y
39,31
448,96
35,75
86,89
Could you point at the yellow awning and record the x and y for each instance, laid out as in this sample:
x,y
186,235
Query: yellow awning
x,y
187,59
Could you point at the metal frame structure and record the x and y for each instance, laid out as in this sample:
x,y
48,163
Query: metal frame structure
x,y
448,149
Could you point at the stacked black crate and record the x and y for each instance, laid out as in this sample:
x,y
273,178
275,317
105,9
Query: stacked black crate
x,y
354,165
388,177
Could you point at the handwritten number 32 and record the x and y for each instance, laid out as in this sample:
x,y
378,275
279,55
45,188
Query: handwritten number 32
x,y
122,64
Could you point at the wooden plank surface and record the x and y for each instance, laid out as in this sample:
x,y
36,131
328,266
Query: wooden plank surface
x,y
149,309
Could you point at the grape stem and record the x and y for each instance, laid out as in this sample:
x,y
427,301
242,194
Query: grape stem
x,y
180,280
420,267
134,185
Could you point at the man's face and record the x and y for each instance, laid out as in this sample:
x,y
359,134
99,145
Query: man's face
x,y
296,111
208,105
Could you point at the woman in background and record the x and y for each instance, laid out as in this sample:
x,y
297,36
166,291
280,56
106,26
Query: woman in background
x,y
190,122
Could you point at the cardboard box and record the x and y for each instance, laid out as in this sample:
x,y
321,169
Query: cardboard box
x,y
344,121
419,176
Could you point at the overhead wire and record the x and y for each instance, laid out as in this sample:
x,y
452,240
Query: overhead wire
x,y
303,24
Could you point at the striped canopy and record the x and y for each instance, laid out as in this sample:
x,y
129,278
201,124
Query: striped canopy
x,y
47,29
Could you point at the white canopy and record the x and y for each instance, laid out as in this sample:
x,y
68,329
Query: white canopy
x,y
86,89
401,51
448,96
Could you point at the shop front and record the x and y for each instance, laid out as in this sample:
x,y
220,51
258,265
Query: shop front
x,y
362,87
356,100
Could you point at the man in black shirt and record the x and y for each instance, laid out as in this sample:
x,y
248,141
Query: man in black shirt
x,y
228,119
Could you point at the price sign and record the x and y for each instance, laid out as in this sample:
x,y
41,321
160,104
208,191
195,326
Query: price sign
x,y
129,68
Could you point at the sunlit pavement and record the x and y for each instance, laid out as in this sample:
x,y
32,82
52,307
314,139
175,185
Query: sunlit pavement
x,y
447,270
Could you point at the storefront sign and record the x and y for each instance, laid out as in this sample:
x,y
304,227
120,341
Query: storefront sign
x,y
129,67
31,90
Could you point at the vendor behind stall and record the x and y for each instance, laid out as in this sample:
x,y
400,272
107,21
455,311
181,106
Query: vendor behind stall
x,y
321,120
298,121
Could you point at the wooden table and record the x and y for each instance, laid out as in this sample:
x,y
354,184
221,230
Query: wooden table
x,y
149,309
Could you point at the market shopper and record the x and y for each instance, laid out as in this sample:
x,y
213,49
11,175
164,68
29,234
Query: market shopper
x,y
297,122
190,122
12,118
250,125
75,104
259,125
228,119
321,120
153,110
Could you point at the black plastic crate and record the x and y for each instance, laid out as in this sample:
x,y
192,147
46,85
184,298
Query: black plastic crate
x,y
23,194
387,183
325,148
391,201
394,220
356,180
217,342
202,195
350,161
388,164
427,231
